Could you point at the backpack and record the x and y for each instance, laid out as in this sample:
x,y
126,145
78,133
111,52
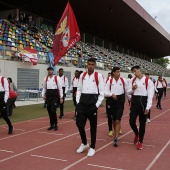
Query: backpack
x,y
107,79
160,82
111,80
95,77
12,94
55,78
73,80
2,81
146,82
64,79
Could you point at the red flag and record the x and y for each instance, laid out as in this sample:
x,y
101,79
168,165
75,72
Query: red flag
x,y
67,34
28,55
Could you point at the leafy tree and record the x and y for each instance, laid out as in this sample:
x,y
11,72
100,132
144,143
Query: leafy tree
x,y
162,61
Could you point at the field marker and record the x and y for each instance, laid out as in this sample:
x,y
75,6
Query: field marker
x,y
49,158
158,155
50,133
6,151
105,167
142,144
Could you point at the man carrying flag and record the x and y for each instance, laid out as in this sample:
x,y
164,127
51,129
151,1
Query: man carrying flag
x,y
67,34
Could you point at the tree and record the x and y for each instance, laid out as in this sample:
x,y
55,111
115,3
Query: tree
x,y
162,61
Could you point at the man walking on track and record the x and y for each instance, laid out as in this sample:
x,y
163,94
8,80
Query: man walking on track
x,y
4,94
53,94
64,84
149,113
115,90
141,89
90,93
73,88
109,119
159,87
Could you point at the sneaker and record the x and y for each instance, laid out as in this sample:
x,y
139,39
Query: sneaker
x,y
74,117
82,148
60,117
10,131
115,142
55,128
148,120
91,152
136,139
139,146
110,133
120,132
50,128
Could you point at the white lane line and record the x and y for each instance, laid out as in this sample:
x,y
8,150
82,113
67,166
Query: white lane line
x,y
80,160
142,144
160,114
6,151
158,155
39,121
49,158
65,138
50,133
96,138
42,145
27,120
15,129
105,167
39,128
31,131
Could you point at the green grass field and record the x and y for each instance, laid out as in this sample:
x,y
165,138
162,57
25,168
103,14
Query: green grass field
x,y
21,113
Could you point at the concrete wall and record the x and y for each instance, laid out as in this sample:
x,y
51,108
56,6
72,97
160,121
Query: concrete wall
x,y
9,69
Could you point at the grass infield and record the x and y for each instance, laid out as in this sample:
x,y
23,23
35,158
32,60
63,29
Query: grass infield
x,y
22,113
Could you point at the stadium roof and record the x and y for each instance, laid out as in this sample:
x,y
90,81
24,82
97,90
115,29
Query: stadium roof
x,y
124,22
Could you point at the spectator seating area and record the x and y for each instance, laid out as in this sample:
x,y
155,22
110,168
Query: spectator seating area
x,y
19,35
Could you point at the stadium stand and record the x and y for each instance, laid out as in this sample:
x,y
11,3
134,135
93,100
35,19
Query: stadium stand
x,y
19,35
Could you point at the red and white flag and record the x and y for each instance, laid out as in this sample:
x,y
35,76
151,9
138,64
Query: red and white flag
x,y
28,55
67,34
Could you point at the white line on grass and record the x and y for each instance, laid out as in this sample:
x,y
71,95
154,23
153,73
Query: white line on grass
x,y
158,155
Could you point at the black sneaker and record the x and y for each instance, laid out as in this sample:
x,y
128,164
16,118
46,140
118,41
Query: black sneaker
x,y
10,131
55,128
74,117
60,117
115,142
50,128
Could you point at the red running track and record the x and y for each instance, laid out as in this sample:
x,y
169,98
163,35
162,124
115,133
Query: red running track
x,y
32,147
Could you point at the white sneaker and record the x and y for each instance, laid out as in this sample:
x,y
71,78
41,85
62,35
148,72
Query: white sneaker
x,y
82,148
148,121
91,152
